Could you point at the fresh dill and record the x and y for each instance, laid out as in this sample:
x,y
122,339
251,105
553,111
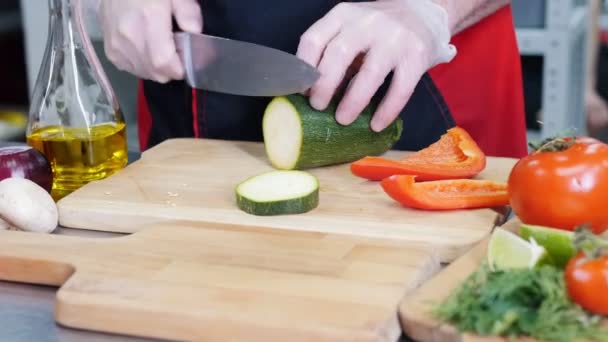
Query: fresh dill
x,y
517,303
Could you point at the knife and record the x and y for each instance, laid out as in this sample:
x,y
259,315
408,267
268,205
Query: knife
x,y
241,68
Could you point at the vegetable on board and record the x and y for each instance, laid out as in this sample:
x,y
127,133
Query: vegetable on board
x,y
23,161
559,243
445,194
297,136
562,184
587,273
278,192
455,155
507,250
25,205
525,302
588,282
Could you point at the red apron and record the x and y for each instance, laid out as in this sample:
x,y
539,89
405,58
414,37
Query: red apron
x,y
483,85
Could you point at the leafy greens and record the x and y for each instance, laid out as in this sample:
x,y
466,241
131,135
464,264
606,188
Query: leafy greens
x,y
522,302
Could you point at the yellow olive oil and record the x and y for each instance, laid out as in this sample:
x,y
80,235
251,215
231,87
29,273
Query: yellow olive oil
x,y
81,155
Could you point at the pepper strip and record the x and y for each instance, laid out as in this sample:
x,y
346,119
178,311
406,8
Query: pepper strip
x,y
455,155
446,194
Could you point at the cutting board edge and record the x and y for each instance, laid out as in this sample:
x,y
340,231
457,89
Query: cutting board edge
x,y
81,222
446,251
72,315
417,322
261,143
73,215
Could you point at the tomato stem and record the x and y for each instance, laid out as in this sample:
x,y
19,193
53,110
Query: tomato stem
x,y
592,245
555,145
564,136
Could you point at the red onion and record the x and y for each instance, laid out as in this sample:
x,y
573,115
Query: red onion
x,y
24,161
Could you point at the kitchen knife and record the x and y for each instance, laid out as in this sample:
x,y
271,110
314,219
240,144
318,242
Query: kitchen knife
x,y
241,68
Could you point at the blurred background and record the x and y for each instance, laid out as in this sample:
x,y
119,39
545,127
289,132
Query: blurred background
x,y
563,46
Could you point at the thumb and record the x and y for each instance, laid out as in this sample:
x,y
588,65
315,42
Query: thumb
x,y
188,15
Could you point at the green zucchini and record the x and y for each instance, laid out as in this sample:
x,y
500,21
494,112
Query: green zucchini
x,y
296,136
278,192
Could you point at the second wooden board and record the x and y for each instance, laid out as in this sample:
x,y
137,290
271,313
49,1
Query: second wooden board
x,y
194,179
198,282
415,312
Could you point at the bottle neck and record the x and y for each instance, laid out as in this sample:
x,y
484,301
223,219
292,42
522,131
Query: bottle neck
x,y
56,5
65,18
68,34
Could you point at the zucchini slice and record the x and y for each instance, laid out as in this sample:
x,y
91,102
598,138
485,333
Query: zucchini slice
x,y
278,192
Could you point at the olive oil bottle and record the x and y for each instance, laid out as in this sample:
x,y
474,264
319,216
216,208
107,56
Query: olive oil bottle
x,y
74,117
79,156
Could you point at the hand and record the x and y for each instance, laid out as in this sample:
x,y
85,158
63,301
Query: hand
x,y
138,35
597,112
407,37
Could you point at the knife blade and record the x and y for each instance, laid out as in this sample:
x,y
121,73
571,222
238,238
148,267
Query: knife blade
x,y
241,68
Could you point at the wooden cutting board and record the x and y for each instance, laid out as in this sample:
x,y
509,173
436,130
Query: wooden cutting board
x,y
414,312
188,281
194,179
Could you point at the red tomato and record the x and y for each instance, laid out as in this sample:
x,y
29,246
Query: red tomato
x,y
563,189
587,283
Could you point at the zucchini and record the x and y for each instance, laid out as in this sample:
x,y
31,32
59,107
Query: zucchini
x,y
278,192
296,136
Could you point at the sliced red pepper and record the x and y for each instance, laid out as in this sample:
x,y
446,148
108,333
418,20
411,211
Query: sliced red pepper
x,y
446,194
455,155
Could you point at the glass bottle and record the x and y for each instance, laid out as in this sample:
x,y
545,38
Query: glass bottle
x,y
74,117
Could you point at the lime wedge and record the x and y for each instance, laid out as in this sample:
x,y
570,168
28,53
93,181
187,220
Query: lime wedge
x,y
507,250
557,242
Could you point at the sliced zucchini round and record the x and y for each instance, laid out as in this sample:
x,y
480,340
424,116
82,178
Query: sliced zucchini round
x,y
279,192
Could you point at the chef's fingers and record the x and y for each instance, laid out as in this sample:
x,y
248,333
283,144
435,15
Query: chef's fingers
x,y
123,41
162,60
405,78
315,39
338,57
188,15
372,73
120,57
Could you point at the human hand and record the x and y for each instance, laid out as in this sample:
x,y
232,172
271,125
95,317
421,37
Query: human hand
x,y
407,37
138,35
597,112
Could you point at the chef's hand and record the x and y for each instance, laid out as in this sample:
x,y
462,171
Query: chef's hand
x,y
407,37
138,35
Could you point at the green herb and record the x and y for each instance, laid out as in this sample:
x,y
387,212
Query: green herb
x,y
521,302
589,243
558,142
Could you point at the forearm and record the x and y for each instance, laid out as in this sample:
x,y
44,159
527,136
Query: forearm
x,y
465,13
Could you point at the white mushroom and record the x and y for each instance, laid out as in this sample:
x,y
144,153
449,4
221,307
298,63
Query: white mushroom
x,y
27,206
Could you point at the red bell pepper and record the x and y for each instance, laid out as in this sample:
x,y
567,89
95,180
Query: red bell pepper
x,y
455,155
446,194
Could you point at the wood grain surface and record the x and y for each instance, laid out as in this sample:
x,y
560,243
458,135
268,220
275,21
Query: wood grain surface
x,y
189,281
414,312
194,179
